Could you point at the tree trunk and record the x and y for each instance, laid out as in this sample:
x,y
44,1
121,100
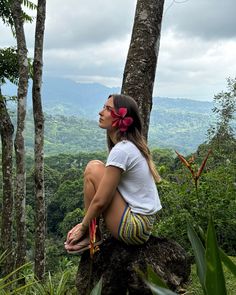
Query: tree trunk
x,y
6,131
118,263
39,142
140,68
20,183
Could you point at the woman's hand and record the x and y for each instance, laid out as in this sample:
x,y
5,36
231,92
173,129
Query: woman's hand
x,y
75,234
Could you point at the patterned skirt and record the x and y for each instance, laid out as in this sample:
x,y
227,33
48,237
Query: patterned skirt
x,y
135,228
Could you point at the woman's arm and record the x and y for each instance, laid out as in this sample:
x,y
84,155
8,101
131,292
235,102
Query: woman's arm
x,y
103,196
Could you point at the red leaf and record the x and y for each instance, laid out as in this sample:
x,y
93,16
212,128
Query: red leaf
x,y
92,233
199,172
186,163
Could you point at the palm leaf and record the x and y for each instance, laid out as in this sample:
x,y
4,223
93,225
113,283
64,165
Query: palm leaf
x,y
97,290
152,277
227,262
156,290
215,281
199,253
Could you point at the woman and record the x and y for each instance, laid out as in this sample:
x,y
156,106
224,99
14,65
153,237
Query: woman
x,y
123,190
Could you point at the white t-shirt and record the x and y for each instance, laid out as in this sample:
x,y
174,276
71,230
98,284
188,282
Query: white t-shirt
x,y
137,185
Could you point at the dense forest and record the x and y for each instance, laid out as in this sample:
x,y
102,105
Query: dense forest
x,y
172,121
214,196
42,185
181,202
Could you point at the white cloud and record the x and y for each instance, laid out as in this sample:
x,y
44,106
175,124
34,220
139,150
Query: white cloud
x,y
88,41
189,67
205,19
79,23
105,61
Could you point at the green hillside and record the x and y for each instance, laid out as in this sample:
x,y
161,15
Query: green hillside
x,y
168,129
172,129
71,115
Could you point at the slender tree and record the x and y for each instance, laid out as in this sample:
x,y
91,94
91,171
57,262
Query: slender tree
x,y
20,182
140,68
39,142
13,63
8,71
6,131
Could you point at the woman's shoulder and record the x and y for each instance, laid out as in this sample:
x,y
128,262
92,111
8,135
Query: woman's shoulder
x,y
126,145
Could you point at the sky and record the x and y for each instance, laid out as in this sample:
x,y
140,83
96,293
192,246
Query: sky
x,y
88,41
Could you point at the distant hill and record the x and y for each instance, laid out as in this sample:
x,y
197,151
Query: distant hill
x,y
72,110
66,97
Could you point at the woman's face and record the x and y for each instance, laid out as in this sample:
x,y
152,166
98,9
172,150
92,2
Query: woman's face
x,y
105,119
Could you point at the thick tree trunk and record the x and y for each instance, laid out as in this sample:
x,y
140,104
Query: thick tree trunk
x,y
39,142
117,265
140,68
20,183
6,131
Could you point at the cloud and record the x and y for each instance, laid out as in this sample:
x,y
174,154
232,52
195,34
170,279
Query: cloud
x,y
189,67
104,61
88,41
201,18
80,23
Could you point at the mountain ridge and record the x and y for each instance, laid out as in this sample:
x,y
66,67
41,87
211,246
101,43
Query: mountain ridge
x,y
71,112
82,98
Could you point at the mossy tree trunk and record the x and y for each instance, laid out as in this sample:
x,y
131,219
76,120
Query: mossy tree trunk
x,y
39,143
19,143
140,68
6,131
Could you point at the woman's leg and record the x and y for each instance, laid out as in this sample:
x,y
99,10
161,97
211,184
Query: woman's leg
x,y
113,213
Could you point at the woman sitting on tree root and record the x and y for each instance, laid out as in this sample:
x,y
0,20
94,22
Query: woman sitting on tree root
x,y
123,190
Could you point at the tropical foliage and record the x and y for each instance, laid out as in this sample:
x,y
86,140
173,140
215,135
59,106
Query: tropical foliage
x,y
211,173
209,259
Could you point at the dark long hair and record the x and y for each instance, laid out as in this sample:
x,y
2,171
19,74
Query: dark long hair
x,y
134,131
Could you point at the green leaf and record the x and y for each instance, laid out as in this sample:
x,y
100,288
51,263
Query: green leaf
x,y
154,281
7,277
224,258
62,288
199,253
227,262
20,289
215,281
156,290
153,278
97,290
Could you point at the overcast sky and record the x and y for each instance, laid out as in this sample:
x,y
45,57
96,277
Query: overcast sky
x,y
88,41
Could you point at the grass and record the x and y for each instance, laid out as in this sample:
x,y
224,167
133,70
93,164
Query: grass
x,y
194,287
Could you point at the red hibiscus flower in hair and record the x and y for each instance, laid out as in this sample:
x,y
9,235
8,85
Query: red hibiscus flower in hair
x,y
120,119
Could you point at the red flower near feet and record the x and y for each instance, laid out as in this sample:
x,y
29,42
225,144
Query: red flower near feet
x,y
92,233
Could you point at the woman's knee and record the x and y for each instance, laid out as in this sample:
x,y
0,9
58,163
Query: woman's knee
x,y
94,167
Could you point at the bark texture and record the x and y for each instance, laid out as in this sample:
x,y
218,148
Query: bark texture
x,y
140,68
40,220
6,131
20,183
116,263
